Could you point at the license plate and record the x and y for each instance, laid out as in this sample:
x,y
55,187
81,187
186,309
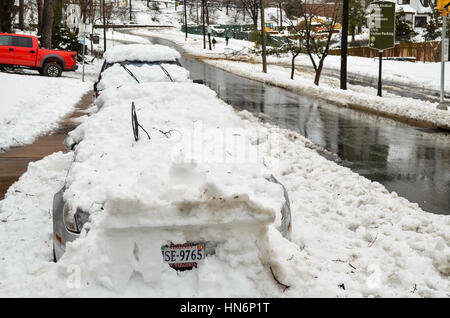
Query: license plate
x,y
183,256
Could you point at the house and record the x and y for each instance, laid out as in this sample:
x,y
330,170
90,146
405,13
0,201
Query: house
x,y
417,11
72,15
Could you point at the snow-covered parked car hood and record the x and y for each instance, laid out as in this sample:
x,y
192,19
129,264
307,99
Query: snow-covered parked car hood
x,y
140,63
117,75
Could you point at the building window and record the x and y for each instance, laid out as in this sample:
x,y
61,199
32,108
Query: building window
x,y
420,22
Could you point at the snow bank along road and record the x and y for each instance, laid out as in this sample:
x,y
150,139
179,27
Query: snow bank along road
x,y
350,237
412,111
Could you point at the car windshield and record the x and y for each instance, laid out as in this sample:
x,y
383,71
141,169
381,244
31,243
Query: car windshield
x,y
118,74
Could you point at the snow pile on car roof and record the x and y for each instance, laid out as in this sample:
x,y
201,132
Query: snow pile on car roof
x,y
140,52
117,75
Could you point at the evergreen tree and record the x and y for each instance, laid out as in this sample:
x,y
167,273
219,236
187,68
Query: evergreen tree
x,y
403,28
62,38
356,16
433,27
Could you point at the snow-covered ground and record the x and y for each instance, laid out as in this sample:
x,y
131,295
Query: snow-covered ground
x,y
32,105
230,58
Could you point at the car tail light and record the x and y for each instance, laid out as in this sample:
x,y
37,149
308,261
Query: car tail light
x,y
74,57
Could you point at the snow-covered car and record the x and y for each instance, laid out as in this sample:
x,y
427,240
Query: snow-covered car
x,y
174,183
139,63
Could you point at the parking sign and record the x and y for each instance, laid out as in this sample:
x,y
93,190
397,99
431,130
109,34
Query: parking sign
x,y
382,25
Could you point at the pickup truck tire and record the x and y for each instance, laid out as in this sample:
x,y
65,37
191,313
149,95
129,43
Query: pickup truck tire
x,y
52,69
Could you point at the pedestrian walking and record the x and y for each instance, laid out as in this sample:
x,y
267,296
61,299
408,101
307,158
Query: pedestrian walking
x,y
214,42
226,39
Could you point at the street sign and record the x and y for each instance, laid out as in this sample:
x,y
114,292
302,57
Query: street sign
x,y
382,25
85,28
96,39
443,5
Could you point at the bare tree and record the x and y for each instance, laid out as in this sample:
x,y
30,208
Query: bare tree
x,y
252,8
317,43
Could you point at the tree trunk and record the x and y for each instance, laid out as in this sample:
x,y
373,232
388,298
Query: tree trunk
x,y
39,13
21,24
318,72
281,16
292,67
47,24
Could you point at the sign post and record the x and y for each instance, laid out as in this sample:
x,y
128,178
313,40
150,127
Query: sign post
x,y
442,105
382,31
84,28
443,7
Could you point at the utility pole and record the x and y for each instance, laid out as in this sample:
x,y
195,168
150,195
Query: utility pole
x,y
263,37
344,45
185,21
131,18
281,15
104,26
203,24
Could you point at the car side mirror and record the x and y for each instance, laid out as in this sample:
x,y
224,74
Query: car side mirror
x,y
199,81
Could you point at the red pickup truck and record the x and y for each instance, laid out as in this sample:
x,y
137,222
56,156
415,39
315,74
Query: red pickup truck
x,y
23,51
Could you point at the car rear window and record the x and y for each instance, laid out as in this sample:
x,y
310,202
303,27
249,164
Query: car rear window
x,y
5,40
22,41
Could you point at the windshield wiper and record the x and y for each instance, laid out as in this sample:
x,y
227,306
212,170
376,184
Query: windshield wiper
x,y
129,72
167,73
